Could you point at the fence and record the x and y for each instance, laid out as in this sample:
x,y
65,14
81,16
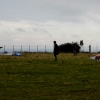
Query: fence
x,y
37,48
90,48
29,48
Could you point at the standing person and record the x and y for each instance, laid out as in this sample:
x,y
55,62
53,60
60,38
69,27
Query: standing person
x,y
56,50
75,50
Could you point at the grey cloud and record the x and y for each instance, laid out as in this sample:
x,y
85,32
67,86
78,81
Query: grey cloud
x,y
43,10
43,31
21,30
94,16
36,29
40,30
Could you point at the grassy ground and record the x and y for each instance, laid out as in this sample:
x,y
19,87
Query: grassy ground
x,y
39,77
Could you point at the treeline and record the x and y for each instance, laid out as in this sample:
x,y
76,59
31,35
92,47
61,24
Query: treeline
x,y
1,47
68,47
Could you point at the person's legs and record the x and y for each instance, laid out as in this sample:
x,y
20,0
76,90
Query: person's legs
x,y
75,53
55,56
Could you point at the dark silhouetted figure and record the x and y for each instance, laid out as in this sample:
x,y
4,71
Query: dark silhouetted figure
x,y
56,50
75,50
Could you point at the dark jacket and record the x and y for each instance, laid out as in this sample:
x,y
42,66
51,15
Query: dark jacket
x,y
56,49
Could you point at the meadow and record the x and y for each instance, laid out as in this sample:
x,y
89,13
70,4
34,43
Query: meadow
x,y
36,76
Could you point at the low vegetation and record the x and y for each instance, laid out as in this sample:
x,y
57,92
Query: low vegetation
x,y
38,77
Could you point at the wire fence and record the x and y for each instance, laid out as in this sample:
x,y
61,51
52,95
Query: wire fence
x,y
37,48
28,48
90,48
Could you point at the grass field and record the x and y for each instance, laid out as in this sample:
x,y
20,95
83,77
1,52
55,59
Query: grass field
x,y
39,77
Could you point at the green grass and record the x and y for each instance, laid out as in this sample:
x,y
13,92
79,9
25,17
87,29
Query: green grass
x,y
39,77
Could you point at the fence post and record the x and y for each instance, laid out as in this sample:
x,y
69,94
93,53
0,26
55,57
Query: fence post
x,y
4,48
37,48
89,48
13,48
45,48
21,48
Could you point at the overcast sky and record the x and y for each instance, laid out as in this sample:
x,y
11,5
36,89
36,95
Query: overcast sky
x,y
39,22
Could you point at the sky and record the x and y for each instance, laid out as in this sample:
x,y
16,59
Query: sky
x,y
40,22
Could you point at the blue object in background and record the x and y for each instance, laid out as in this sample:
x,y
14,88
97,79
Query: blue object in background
x,y
17,54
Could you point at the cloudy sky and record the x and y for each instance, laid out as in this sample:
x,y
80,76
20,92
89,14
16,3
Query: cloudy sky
x,y
39,22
